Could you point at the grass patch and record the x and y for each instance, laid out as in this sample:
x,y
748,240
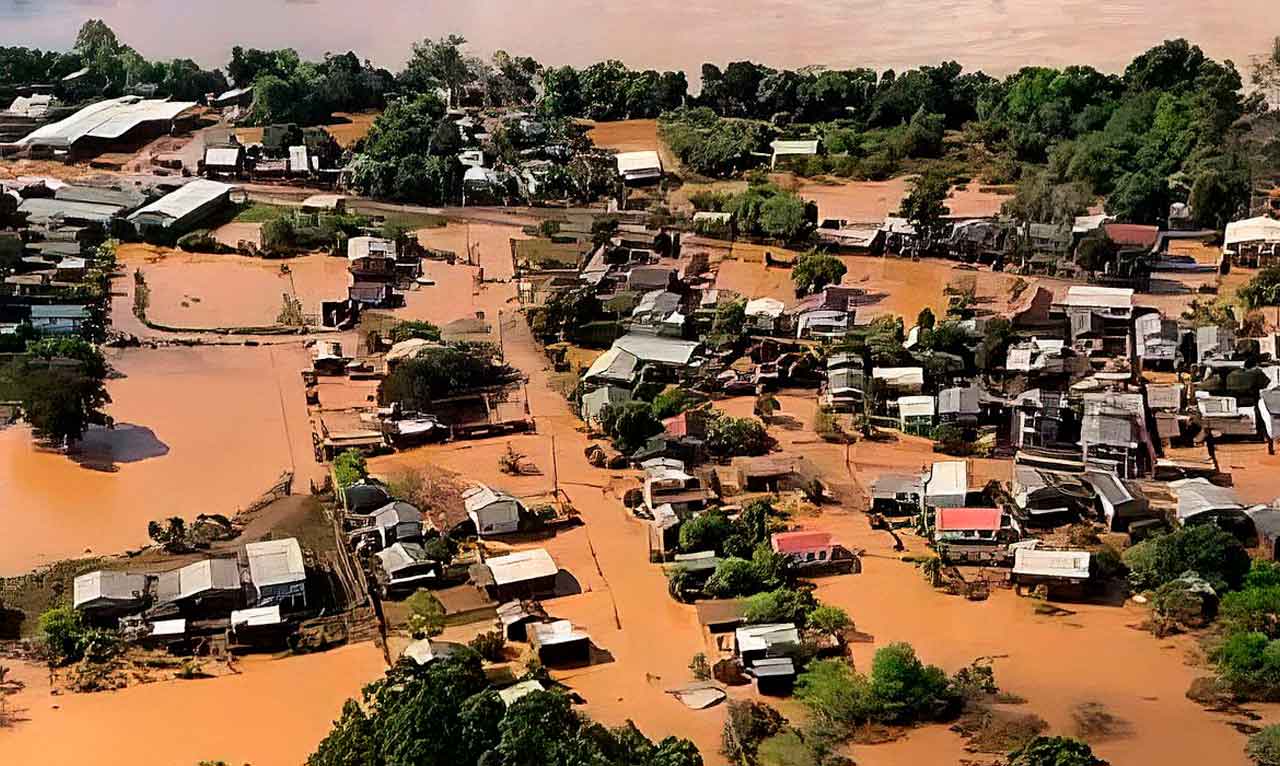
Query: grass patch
x,y
259,212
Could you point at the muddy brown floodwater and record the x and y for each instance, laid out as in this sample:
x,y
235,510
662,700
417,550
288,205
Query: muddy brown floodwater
x,y
198,430
273,713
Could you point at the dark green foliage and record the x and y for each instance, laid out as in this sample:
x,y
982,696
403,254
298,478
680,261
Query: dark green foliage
x,y
68,638
814,271
711,146
490,645
1140,197
1264,746
290,90
61,387
630,425
1039,200
1262,290
705,532
441,372
1204,549
899,690
1249,663
1253,609
780,605
746,725
728,436
673,401
608,90
925,205
736,577
412,329
403,157
995,344
1054,751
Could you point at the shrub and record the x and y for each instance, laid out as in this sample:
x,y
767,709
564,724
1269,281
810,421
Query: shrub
x,y
1249,663
1210,552
1253,610
1264,746
426,614
414,329
349,467
814,271
62,629
706,532
779,605
746,725
904,689
728,436
829,619
1054,751
489,645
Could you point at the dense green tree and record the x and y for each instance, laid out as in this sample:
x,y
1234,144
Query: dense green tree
x,y
630,425
925,205
1140,197
814,271
1205,549
1263,289
61,387
728,436
444,371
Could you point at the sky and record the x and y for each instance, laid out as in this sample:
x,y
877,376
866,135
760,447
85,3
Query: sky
x,y
998,36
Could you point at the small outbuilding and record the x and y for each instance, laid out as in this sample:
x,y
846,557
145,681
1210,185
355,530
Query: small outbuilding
x,y
212,584
278,573
559,643
494,512
105,594
406,567
523,574
1060,572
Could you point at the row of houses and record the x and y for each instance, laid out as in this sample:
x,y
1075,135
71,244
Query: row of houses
x,y
249,598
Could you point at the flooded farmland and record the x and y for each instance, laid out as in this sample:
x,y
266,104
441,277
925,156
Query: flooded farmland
x,y
272,712
198,430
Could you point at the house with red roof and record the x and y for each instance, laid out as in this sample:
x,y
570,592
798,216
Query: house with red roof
x,y
973,534
811,551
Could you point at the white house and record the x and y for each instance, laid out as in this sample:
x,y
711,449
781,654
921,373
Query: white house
x,y
946,484
492,511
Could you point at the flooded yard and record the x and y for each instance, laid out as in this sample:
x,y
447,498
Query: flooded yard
x,y
198,430
272,712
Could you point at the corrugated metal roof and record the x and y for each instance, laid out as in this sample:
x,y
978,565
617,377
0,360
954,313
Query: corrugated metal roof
x,y
648,348
1067,564
1090,296
916,406
948,477
755,638
186,200
222,156
275,562
200,577
1260,229
402,556
553,633
800,542
522,566
109,586
105,119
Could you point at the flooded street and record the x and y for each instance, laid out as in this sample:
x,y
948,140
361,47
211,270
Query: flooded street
x,y
995,35
273,713
198,430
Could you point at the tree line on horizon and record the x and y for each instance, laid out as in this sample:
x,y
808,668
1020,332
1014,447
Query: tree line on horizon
x,y
1171,127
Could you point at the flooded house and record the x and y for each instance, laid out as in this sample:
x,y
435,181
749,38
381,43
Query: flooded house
x,y
493,512
946,484
1120,502
595,402
120,124
676,488
639,168
764,316
1158,341
1201,502
635,357
371,261
765,654
813,551
1252,243
1223,416
397,522
559,644
181,211
1113,433
916,415
1060,573
1100,319
791,149
405,567
106,595
1046,497
209,587
897,494
1269,413
365,497
514,618
59,320
278,573
523,574
960,406
973,535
